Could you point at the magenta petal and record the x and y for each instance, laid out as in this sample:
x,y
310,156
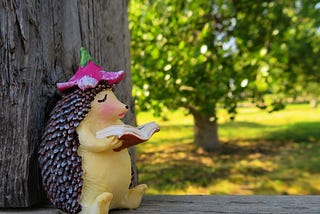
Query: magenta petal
x,y
91,70
90,76
113,77
65,85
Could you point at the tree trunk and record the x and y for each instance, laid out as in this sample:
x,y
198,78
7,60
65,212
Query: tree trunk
x,y
314,103
205,132
39,46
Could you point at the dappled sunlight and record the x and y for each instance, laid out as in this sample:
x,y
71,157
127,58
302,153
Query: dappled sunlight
x,y
254,157
223,186
175,155
255,166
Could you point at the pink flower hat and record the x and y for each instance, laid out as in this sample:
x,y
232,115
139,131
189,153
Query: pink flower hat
x,y
89,74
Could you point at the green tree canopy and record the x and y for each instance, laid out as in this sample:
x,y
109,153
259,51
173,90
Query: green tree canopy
x,y
201,54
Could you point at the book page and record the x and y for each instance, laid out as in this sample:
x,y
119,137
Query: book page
x,y
144,131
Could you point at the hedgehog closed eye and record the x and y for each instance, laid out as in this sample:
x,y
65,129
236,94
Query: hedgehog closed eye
x,y
104,99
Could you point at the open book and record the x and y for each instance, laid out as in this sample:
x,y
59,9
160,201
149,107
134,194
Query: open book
x,y
128,134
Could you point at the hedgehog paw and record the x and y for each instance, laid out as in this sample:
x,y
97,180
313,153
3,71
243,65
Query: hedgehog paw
x,y
100,206
103,202
134,196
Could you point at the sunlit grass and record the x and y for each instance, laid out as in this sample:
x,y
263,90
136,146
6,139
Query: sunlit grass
x,y
260,153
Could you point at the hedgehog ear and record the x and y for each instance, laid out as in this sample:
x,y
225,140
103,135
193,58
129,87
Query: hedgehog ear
x,y
85,57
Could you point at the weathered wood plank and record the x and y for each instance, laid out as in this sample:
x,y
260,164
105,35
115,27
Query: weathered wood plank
x,y
213,204
230,204
30,211
39,46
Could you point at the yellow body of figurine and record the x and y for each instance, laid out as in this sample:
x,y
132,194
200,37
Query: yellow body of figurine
x,y
106,173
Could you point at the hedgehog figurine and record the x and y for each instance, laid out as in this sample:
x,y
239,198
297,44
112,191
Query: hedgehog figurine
x,y
82,173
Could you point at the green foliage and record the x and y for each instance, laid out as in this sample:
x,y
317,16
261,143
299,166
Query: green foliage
x,y
260,153
280,45
201,54
85,57
174,56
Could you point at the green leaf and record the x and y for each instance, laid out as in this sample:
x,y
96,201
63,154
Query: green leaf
x,y
85,57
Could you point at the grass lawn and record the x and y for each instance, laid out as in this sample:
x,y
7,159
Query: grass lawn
x,y
260,153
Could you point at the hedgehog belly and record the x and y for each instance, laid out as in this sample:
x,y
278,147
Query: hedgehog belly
x,y
106,171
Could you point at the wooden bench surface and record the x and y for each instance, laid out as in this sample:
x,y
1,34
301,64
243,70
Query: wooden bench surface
x,y
210,204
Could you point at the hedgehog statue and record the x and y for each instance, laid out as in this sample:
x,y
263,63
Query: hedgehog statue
x,y
80,172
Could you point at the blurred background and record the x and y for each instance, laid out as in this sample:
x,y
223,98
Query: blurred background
x,y
234,85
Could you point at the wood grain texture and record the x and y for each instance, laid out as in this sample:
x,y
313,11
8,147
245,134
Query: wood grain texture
x,y
39,46
212,204
229,204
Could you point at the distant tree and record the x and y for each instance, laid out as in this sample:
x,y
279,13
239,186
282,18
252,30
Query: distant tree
x,y
201,55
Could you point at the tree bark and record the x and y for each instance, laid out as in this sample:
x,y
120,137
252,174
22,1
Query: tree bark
x,y
205,132
39,46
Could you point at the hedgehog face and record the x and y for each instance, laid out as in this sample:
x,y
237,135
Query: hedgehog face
x,y
107,107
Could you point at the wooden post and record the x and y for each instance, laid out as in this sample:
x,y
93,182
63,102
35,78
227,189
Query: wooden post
x,y
39,46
